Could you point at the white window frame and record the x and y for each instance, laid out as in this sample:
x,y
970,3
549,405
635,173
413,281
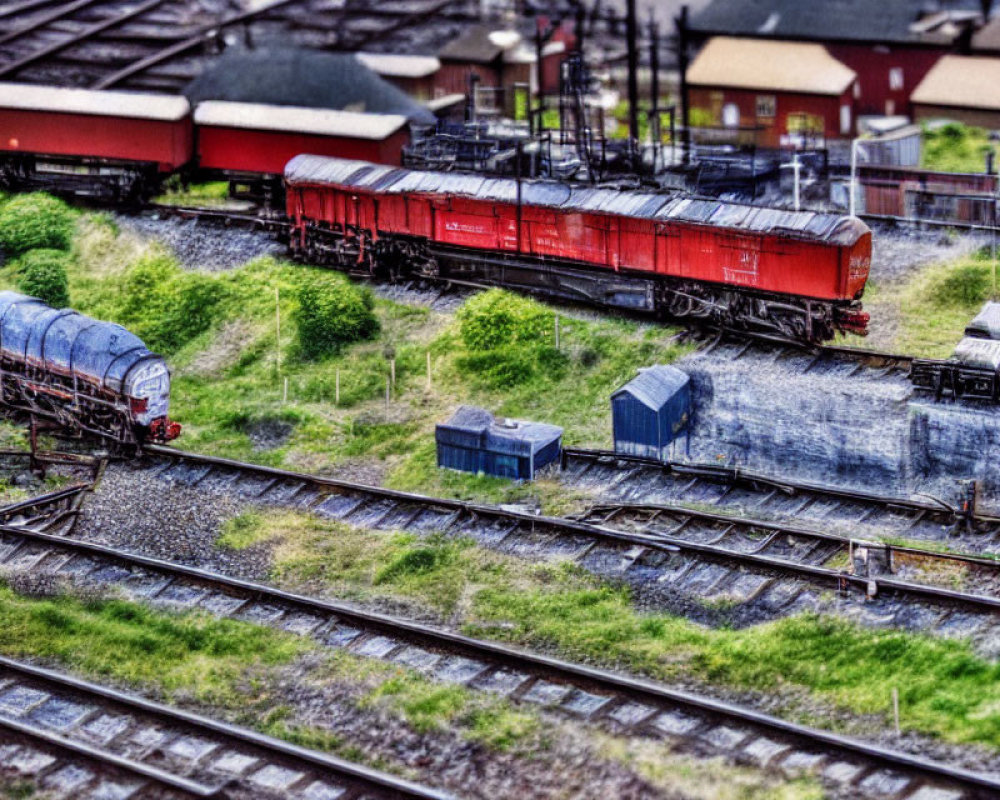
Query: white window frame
x,y
766,106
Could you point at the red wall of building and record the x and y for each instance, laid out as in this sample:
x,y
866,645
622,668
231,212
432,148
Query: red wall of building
x,y
822,108
453,77
169,144
240,150
873,65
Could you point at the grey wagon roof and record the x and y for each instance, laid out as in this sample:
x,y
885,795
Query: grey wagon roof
x,y
360,175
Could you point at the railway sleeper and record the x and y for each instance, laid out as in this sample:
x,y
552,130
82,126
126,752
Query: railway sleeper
x,y
696,725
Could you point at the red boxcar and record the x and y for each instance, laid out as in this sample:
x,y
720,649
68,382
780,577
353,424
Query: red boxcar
x,y
248,138
653,252
43,121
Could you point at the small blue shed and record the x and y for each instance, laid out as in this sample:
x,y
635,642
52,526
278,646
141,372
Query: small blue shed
x,y
474,441
650,410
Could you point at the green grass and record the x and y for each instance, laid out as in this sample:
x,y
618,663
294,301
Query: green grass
x,y
956,148
939,302
229,369
946,690
126,642
214,193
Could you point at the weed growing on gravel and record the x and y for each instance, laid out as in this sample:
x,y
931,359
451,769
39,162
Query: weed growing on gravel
x,y
939,302
201,655
680,774
946,690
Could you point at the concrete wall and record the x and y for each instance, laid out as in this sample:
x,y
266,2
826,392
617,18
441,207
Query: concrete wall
x,y
857,432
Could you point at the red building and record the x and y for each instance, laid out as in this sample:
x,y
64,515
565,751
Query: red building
x,y
783,93
890,44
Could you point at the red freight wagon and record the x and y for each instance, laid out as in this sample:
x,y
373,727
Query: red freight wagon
x,y
796,273
112,141
248,138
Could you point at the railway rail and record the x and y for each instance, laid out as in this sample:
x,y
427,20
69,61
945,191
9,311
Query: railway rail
x,y
671,570
639,479
691,721
158,747
161,45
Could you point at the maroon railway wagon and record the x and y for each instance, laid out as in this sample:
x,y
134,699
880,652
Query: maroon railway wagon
x,y
114,145
798,274
244,141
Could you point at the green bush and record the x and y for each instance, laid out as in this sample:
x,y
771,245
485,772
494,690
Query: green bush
x,y
332,312
35,221
966,285
496,318
508,339
166,306
955,148
42,274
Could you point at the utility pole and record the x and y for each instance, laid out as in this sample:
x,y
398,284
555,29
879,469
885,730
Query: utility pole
x,y
654,87
681,24
632,37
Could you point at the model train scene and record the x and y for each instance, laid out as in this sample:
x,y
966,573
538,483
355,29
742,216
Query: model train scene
x,y
499,399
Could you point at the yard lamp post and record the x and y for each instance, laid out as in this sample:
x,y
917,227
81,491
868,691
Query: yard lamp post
x,y
853,199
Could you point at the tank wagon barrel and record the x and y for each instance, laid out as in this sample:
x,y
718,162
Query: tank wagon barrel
x,y
82,374
798,274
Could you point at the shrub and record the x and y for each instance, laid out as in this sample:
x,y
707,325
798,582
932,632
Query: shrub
x,y
496,318
166,306
35,221
42,274
966,285
332,312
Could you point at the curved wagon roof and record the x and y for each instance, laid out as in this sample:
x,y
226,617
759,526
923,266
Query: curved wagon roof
x,y
834,229
67,342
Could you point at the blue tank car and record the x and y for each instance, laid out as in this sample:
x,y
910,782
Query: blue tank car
x,y
83,374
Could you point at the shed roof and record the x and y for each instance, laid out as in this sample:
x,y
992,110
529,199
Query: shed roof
x,y
363,176
320,121
85,101
393,65
499,435
283,76
770,65
987,38
655,386
473,45
883,21
961,82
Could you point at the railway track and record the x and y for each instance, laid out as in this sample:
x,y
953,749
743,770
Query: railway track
x,y
133,747
636,479
161,45
686,576
691,722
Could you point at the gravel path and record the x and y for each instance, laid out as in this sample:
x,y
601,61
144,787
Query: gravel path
x,y
204,245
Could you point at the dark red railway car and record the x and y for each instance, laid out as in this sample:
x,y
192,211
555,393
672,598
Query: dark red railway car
x,y
801,274
250,138
102,142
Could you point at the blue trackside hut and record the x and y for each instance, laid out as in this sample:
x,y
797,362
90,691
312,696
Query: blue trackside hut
x,y
650,410
474,441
